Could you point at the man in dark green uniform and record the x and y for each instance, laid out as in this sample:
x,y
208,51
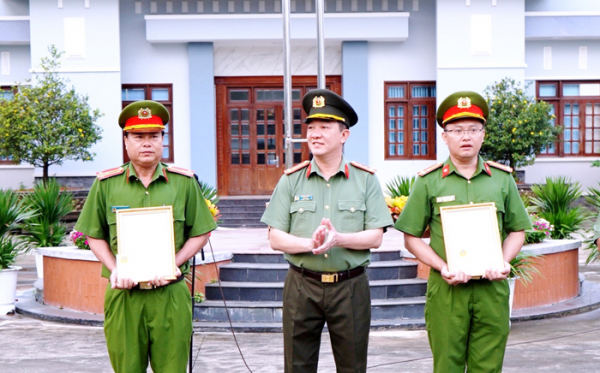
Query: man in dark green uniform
x,y
147,321
325,215
467,319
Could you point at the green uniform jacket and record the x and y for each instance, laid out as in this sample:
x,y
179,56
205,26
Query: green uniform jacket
x,y
444,186
351,199
190,212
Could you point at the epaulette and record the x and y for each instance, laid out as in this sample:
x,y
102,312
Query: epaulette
x,y
363,167
181,171
500,166
429,169
101,175
297,167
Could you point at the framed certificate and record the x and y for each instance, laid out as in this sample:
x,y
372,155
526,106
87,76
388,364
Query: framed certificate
x,y
146,243
472,238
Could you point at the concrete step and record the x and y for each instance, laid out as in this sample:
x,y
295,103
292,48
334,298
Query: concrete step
x,y
243,224
271,311
273,291
276,272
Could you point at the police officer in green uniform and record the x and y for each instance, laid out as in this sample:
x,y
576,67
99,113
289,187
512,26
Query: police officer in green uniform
x,y
325,215
467,319
147,321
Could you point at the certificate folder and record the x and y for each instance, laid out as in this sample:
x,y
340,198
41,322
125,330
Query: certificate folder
x,y
472,238
146,243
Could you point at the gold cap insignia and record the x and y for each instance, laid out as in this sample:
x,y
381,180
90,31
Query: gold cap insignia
x,y
144,113
319,101
464,103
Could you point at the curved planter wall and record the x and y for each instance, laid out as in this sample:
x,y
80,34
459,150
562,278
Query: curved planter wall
x,y
558,279
72,278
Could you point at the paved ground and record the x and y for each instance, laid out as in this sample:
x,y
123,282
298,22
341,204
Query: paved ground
x,y
568,344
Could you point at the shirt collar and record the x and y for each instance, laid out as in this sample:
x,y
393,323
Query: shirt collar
x,y
160,171
314,168
481,167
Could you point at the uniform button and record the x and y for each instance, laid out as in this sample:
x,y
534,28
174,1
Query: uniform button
x,y
469,181
147,192
326,207
326,255
352,209
328,185
301,209
471,203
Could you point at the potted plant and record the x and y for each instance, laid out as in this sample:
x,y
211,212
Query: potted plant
x,y
44,228
12,214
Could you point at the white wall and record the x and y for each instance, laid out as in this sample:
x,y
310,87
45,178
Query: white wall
x,y
412,60
95,73
19,60
268,61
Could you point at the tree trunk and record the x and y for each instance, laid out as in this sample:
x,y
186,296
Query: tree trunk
x,y
45,173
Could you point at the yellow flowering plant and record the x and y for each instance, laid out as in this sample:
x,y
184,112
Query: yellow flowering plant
x,y
396,205
398,190
519,127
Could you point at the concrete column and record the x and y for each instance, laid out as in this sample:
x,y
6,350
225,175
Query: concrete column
x,y
355,79
203,149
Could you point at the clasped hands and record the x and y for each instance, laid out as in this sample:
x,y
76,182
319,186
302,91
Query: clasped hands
x,y
324,237
459,277
117,282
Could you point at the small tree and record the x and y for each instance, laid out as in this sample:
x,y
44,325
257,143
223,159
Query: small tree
x,y
46,123
518,128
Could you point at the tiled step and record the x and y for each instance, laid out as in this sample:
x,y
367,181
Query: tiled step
x,y
242,212
276,272
273,291
271,312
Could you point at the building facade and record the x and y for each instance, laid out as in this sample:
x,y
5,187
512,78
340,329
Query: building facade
x,y
218,64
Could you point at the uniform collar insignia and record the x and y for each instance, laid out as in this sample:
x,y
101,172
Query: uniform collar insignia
x,y
446,170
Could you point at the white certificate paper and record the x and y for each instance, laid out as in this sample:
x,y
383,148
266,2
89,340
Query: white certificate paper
x,y
471,238
146,243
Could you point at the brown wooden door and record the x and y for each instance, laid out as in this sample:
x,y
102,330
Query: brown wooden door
x,y
251,132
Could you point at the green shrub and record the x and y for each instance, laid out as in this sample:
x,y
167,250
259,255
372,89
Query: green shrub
x,y
45,228
555,200
12,215
522,266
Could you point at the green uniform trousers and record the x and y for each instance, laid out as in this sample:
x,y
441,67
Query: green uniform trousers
x,y
467,324
308,304
148,325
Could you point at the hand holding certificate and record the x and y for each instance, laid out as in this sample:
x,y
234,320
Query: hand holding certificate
x,y
472,239
146,243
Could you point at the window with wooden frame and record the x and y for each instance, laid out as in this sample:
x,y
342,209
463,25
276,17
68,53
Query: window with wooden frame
x,y
576,107
6,93
162,93
410,120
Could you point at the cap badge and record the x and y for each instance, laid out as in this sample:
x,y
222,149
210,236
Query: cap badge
x,y
319,101
144,113
464,103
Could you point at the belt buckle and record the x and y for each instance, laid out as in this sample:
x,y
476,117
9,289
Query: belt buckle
x,y
329,278
146,285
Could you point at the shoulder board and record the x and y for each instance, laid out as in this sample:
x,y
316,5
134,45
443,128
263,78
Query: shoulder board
x,y
181,171
363,167
109,173
297,167
429,169
500,166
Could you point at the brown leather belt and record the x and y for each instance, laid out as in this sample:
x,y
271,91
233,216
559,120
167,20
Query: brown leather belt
x,y
329,277
148,286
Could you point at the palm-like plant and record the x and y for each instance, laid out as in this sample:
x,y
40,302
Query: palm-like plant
x,y
45,229
12,215
400,186
555,200
209,192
